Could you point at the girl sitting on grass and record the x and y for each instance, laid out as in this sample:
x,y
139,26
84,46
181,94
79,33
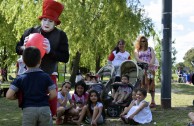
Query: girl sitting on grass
x,y
62,107
80,96
126,109
139,112
94,110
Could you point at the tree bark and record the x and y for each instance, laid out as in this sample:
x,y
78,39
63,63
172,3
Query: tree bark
x,y
75,68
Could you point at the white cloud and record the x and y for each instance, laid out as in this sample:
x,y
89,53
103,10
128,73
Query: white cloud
x,y
177,27
191,19
182,8
182,19
183,44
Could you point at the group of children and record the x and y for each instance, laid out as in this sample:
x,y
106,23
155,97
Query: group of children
x,y
88,104
37,88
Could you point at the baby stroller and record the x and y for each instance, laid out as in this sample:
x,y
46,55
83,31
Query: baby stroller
x,y
105,77
135,74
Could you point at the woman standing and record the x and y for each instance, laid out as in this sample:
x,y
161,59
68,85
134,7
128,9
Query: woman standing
x,y
118,56
145,54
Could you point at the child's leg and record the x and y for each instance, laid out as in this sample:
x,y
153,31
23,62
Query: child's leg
x,y
96,120
122,97
60,112
152,87
191,116
115,97
126,95
82,114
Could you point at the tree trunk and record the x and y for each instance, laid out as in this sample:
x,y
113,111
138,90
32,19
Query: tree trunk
x,y
75,68
97,63
3,65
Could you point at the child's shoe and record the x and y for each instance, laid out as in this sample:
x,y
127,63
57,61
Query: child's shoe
x,y
59,121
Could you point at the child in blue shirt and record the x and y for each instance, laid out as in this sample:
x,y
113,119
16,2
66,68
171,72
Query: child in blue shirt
x,y
36,88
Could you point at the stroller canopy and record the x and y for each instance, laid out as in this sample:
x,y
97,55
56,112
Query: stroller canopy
x,y
130,68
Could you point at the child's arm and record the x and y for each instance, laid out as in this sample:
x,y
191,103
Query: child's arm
x,y
52,93
128,108
99,114
143,105
71,103
11,94
63,102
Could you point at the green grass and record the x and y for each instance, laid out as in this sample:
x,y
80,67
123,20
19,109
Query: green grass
x,y
181,101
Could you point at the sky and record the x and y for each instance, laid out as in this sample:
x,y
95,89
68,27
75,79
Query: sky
x,y
182,23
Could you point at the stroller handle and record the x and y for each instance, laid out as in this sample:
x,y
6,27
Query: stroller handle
x,y
143,65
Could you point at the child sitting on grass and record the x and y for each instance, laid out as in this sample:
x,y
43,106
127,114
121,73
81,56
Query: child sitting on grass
x,y
34,84
123,91
93,109
64,97
80,96
126,109
139,111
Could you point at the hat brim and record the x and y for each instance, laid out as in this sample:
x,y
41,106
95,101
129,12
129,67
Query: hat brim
x,y
55,20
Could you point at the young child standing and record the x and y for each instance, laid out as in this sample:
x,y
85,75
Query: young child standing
x,y
139,112
34,85
64,97
123,91
94,110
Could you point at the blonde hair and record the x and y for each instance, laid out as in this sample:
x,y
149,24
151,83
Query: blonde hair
x,y
137,44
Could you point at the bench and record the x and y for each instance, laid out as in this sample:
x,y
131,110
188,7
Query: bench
x,y
4,87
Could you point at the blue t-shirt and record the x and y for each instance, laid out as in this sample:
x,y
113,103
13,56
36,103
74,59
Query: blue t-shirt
x,y
34,85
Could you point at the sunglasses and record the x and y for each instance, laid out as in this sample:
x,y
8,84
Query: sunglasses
x,y
143,41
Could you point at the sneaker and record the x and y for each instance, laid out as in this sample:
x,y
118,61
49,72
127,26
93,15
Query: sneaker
x,y
59,121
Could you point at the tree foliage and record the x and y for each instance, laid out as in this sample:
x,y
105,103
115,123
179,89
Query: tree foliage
x,y
188,58
93,26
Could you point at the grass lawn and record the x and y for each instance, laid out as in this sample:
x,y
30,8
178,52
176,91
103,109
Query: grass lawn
x,y
181,100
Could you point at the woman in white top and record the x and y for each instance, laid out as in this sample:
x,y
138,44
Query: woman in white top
x,y
117,56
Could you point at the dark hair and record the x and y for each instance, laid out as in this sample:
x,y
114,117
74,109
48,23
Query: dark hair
x,y
66,82
81,83
89,101
143,91
98,100
117,47
125,75
31,56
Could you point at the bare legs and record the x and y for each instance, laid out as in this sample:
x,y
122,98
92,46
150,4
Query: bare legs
x,y
191,116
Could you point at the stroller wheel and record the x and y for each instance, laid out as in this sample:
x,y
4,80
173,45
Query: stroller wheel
x,y
113,111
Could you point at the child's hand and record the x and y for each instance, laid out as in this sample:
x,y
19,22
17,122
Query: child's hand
x,y
122,114
131,116
93,123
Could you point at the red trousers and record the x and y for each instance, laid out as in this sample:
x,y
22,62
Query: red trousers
x,y
53,102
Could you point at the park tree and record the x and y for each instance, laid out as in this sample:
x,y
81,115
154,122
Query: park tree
x,y
92,26
188,58
7,51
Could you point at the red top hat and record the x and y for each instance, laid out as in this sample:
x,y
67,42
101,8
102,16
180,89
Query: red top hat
x,y
52,10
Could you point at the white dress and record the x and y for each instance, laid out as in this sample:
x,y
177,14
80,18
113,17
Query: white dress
x,y
144,116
